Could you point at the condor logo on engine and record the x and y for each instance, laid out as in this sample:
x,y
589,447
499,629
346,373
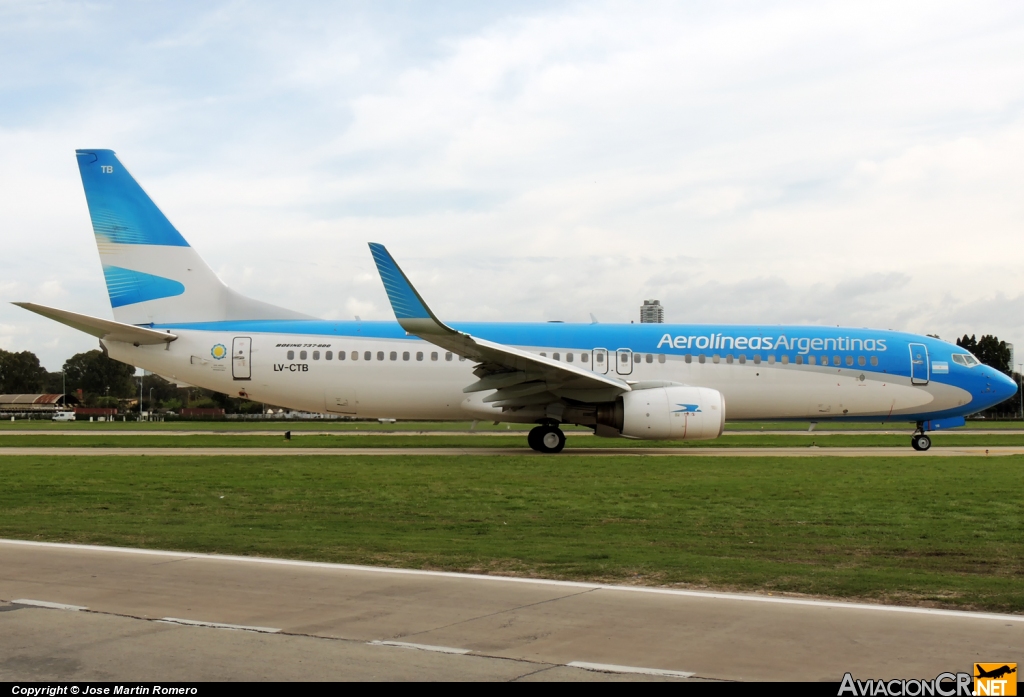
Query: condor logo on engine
x,y
687,409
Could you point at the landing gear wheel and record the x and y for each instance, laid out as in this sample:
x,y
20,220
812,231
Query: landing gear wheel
x,y
533,438
546,439
921,442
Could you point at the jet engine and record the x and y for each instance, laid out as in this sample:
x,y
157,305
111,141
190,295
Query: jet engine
x,y
664,413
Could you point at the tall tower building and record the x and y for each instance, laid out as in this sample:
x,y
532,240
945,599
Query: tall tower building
x,y
652,312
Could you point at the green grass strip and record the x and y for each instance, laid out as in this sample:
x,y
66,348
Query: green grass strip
x,y
932,531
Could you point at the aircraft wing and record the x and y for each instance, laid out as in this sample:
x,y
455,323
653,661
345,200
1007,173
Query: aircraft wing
x,y
102,328
519,378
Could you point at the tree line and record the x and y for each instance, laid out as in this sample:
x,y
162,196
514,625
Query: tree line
x,y
100,381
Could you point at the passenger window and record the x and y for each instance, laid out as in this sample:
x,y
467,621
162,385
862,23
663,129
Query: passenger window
x,y
291,356
448,356
419,355
771,359
874,360
584,358
728,359
757,359
799,360
811,360
380,355
544,354
394,355
661,358
329,356
637,357
688,358
568,358
556,356
433,355
316,355
462,358
599,358
743,359
302,355
861,361
836,360
405,355
700,358
849,360
367,356
715,358
341,355
785,360
355,355
650,358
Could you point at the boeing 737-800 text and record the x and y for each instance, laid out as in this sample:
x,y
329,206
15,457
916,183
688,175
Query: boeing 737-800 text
x,y
174,317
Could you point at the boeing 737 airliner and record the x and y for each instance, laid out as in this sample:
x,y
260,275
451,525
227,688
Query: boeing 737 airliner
x,y
174,317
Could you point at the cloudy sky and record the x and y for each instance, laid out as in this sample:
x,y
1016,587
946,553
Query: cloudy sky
x,y
791,162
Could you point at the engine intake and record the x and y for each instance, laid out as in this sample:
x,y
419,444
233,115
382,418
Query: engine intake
x,y
664,413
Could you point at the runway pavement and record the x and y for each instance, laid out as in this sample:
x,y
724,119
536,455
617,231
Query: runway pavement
x,y
907,430
117,614
592,452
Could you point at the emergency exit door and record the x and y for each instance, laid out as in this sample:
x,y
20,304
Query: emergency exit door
x,y
624,361
241,364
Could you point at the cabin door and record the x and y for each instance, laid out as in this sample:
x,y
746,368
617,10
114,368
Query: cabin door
x,y
241,364
918,364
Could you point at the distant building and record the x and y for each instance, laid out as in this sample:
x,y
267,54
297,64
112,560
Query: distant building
x,y
652,312
35,403
1013,357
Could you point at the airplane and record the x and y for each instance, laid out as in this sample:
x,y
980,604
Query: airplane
x,y
173,316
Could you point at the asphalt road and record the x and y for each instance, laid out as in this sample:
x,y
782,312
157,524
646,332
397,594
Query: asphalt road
x,y
136,614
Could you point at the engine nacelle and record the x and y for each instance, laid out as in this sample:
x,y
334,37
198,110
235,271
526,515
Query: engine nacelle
x,y
665,413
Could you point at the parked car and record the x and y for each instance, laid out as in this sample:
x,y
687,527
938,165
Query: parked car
x,y
64,416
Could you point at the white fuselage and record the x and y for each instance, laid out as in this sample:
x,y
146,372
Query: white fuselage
x,y
412,379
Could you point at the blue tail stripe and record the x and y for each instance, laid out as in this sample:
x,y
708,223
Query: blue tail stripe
x,y
127,287
121,212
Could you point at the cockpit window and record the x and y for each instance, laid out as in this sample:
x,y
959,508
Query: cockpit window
x,y
965,359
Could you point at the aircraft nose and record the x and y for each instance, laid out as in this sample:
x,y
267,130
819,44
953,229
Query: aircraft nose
x,y
1003,386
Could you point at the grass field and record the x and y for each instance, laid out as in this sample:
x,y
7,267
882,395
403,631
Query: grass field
x,y
298,426
934,531
503,439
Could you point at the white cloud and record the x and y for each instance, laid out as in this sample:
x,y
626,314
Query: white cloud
x,y
781,162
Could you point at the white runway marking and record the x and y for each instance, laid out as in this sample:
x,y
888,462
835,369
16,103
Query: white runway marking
x,y
421,647
738,597
610,668
43,603
219,625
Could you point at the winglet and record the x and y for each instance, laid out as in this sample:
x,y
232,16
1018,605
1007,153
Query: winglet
x,y
412,313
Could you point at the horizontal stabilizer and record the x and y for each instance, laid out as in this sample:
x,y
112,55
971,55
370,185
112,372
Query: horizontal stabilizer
x,y
102,328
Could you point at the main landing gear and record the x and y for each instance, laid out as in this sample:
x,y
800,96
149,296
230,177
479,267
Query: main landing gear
x,y
920,441
546,438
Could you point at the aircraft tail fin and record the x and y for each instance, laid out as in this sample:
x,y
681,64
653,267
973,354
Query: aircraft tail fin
x,y
152,274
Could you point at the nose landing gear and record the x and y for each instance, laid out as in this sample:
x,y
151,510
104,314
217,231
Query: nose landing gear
x,y
547,438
